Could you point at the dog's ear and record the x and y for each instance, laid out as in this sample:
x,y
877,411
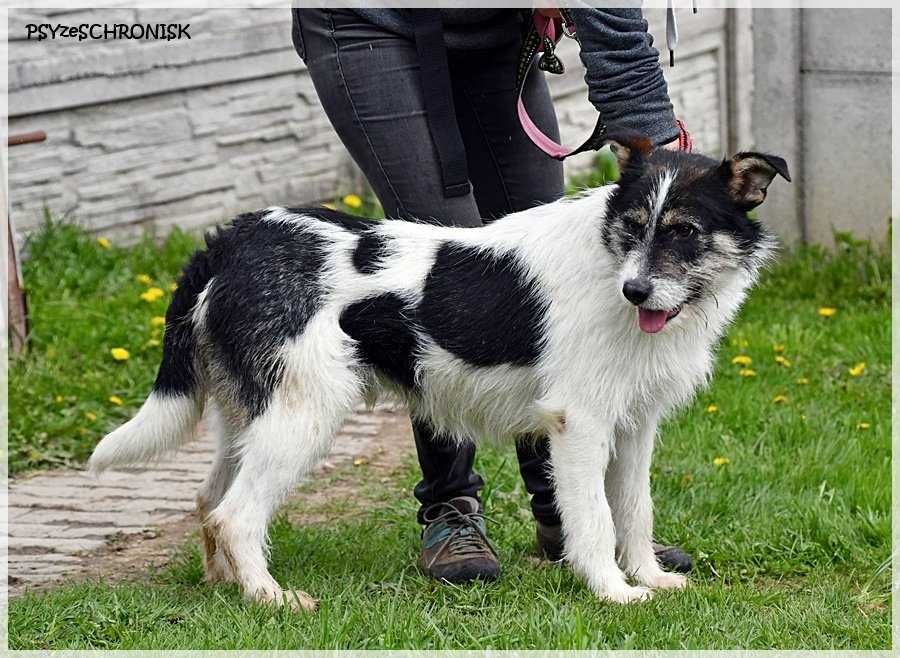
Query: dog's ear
x,y
629,148
747,176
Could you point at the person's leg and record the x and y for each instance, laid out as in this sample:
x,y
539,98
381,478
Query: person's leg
x,y
367,80
368,83
508,171
509,174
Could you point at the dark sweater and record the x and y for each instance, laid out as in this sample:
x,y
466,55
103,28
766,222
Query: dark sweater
x,y
625,81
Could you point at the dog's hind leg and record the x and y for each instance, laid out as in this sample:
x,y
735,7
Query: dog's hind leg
x,y
211,493
277,450
280,446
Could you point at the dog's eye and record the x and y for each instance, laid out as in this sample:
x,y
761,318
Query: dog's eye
x,y
683,230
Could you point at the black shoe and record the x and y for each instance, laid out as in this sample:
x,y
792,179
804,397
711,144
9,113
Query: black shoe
x,y
673,558
550,547
455,547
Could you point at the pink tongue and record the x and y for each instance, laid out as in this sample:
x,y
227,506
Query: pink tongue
x,y
652,321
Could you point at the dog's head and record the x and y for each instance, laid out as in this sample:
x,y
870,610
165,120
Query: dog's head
x,y
677,225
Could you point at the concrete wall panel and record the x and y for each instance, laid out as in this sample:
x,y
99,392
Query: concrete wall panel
x,y
847,40
847,150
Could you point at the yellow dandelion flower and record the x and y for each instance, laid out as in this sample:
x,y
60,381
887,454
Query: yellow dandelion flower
x,y
144,279
780,399
778,348
157,321
152,294
360,461
780,360
711,409
863,425
857,370
742,360
353,201
746,372
59,399
330,206
827,311
173,287
116,400
803,381
119,353
90,415
721,461
104,242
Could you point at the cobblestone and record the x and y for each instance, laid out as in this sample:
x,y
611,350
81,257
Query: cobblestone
x,y
58,520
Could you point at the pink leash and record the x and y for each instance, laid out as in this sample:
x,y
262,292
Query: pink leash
x,y
546,33
542,38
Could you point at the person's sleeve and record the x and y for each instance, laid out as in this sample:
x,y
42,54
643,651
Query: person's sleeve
x,y
625,81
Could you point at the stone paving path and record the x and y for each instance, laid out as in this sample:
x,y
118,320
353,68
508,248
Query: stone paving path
x,y
60,520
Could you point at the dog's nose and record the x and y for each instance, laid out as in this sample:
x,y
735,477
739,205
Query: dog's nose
x,y
637,290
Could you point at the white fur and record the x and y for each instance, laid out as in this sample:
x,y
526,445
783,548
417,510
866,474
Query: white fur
x,y
599,389
163,423
660,192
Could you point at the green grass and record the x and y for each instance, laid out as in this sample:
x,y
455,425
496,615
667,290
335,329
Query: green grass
x,y
83,301
791,536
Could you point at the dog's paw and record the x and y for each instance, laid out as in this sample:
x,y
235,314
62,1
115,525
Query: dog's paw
x,y
627,594
664,580
297,600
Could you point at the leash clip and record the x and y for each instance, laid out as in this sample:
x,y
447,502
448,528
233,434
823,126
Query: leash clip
x,y
549,62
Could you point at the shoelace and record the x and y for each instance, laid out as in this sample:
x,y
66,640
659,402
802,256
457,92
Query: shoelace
x,y
462,541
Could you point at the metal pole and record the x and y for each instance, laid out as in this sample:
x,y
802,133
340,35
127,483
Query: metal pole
x,y
17,304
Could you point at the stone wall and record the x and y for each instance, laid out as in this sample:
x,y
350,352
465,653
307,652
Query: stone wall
x,y
150,135
823,101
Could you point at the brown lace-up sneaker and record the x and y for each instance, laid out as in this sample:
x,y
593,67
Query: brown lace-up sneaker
x,y
550,547
455,547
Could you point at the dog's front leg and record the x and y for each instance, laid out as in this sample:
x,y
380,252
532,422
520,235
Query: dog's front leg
x,y
628,491
580,456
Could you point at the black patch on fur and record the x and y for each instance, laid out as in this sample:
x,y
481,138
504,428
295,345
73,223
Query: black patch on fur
x,y
372,246
266,290
383,327
177,373
480,308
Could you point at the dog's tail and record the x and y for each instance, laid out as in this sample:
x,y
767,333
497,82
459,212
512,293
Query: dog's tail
x,y
169,417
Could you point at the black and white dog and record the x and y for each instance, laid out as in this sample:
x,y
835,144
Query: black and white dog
x,y
587,319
